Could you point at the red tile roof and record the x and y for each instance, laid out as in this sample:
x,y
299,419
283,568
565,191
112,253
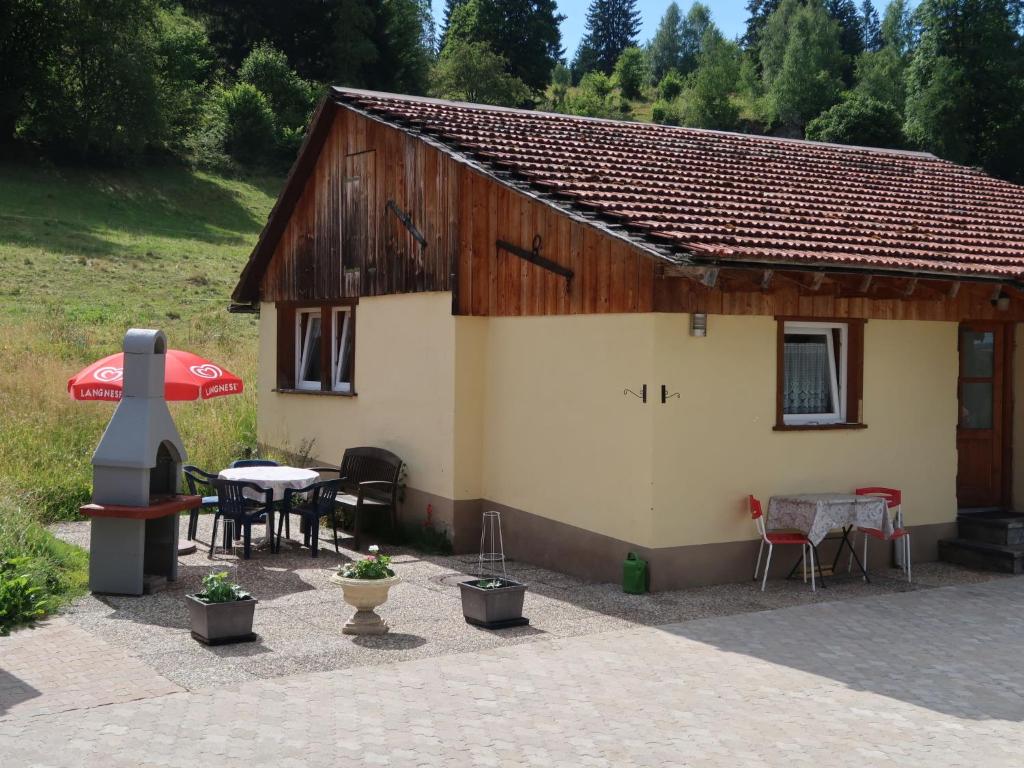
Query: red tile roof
x,y
738,198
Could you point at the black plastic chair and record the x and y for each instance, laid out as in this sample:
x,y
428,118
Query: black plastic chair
x,y
254,463
199,482
316,501
234,505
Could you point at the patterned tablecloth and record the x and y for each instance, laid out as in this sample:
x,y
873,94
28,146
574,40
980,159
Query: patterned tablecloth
x,y
815,514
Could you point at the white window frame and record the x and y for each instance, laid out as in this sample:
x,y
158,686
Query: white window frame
x,y
342,320
302,346
838,377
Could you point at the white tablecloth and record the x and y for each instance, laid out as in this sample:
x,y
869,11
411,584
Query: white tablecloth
x,y
275,478
815,514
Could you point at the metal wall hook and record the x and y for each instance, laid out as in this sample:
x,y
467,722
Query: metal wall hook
x,y
642,395
665,395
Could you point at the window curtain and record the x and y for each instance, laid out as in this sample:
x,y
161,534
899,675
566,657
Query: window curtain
x,y
808,386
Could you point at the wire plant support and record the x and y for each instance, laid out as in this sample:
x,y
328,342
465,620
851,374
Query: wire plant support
x,y
492,548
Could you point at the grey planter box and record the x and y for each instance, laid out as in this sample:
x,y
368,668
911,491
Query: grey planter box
x,y
493,608
219,623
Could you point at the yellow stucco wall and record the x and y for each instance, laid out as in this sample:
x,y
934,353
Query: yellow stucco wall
x,y
529,412
715,444
405,380
560,439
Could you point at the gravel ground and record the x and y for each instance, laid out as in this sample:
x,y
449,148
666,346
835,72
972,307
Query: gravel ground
x,y
300,614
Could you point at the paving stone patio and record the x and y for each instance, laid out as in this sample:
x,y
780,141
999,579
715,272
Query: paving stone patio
x,y
930,677
301,613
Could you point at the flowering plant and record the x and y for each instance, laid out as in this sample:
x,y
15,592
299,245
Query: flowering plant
x,y
373,566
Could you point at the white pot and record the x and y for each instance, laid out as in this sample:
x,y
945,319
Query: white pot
x,y
364,595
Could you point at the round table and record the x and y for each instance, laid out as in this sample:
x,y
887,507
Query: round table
x,y
276,479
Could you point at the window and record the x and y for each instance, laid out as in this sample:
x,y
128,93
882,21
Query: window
x,y
316,348
342,350
820,373
307,349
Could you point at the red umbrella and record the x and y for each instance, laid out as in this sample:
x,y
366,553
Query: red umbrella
x,y
186,377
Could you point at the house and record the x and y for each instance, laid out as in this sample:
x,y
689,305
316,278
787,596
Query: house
x,y
612,332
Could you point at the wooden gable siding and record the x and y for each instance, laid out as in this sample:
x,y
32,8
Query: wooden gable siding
x,y
342,241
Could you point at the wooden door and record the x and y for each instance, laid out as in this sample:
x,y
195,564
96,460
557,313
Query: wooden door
x,y
982,392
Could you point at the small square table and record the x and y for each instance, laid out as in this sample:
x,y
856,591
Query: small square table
x,y
815,514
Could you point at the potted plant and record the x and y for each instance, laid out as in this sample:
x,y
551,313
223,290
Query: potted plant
x,y
493,602
364,585
222,612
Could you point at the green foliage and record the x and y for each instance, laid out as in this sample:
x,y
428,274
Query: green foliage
x,y
858,119
965,85
666,112
709,96
631,72
806,79
218,589
38,572
185,62
871,27
471,71
524,32
612,27
248,121
373,566
30,31
897,30
561,80
665,48
21,600
290,97
882,75
99,95
693,29
671,85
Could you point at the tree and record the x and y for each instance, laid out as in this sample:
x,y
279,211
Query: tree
x,y
471,71
851,32
965,85
666,47
759,11
594,98
692,31
881,75
871,29
858,119
612,27
631,72
290,97
561,79
808,79
248,123
184,68
446,20
709,102
524,32
897,30
98,98
30,31
671,85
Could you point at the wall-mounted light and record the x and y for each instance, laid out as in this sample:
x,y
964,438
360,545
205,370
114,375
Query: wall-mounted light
x,y
698,324
1001,301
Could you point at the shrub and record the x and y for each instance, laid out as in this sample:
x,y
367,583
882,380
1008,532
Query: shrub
x,y
291,98
858,119
671,85
21,600
248,124
666,112
631,72
217,589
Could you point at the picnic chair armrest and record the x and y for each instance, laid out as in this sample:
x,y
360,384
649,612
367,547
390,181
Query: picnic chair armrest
x,y
381,483
268,493
188,469
321,470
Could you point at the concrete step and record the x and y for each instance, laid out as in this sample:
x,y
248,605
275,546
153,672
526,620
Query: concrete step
x,y
982,555
991,527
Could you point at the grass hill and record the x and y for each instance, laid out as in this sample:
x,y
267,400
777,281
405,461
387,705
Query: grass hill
x,y
87,254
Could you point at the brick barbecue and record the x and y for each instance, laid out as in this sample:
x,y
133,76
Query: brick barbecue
x,y
137,478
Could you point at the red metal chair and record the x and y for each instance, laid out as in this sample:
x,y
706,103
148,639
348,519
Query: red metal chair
x,y
778,537
893,501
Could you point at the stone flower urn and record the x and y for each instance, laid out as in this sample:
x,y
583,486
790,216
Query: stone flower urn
x,y
364,595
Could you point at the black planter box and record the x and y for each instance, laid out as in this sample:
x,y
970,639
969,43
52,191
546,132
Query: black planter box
x,y
220,623
493,608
